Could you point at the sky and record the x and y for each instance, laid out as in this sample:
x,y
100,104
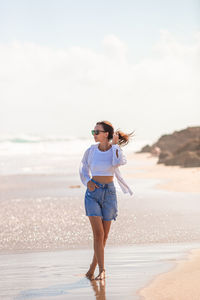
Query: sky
x,y
64,65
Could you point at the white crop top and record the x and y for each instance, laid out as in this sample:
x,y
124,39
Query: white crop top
x,y
101,164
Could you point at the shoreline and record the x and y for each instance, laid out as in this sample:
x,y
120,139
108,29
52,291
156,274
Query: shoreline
x,y
86,247
63,272
185,274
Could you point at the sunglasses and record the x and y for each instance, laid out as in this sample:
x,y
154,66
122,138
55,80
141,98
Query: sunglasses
x,y
96,132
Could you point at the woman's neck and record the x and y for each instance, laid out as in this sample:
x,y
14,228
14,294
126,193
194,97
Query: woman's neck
x,y
104,146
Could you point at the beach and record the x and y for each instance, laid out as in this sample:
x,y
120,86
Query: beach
x,y
180,283
46,237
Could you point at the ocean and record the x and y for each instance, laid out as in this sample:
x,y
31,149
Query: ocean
x,y
34,154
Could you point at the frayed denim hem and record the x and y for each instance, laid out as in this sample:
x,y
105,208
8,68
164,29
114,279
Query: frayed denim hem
x,y
94,216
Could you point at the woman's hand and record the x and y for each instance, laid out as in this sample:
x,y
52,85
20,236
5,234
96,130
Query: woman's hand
x,y
115,139
92,185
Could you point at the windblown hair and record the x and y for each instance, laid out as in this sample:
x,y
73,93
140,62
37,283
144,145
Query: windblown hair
x,y
124,138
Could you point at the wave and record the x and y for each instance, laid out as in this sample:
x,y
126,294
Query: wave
x,y
37,139
27,144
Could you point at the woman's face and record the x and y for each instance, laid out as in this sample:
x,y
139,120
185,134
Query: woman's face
x,y
102,136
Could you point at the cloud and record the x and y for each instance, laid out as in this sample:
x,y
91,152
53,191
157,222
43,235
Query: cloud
x,y
115,49
39,79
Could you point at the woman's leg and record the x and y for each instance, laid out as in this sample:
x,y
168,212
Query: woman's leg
x,y
98,238
106,227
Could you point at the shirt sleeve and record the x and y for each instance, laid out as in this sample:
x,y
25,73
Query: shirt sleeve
x,y
118,156
84,170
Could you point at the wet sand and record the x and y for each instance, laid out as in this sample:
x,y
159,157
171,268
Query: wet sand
x,y
42,217
60,274
37,214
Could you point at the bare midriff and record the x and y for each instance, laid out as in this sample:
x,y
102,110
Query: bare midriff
x,y
103,179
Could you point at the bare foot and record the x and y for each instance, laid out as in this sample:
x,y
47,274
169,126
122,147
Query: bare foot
x,y
101,275
90,276
90,273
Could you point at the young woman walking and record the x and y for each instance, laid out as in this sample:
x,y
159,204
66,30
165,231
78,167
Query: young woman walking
x,y
102,160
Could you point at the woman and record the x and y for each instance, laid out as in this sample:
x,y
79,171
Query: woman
x,y
103,160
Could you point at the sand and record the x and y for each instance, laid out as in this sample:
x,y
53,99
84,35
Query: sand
x,y
175,178
182,283
42,212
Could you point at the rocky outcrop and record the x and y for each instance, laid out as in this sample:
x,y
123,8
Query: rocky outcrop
x,y
185,159
179,148
146,148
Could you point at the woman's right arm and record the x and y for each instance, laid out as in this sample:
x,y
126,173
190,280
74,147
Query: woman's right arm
x,y
84,168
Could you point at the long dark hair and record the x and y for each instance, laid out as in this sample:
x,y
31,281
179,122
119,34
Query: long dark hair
x,y
124,138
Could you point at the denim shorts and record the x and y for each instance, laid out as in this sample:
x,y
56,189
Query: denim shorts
x,y
102,201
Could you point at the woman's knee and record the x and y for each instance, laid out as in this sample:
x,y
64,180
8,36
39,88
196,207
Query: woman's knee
x,y
99,235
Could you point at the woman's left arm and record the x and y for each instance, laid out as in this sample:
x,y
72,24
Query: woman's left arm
x,y
118,156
